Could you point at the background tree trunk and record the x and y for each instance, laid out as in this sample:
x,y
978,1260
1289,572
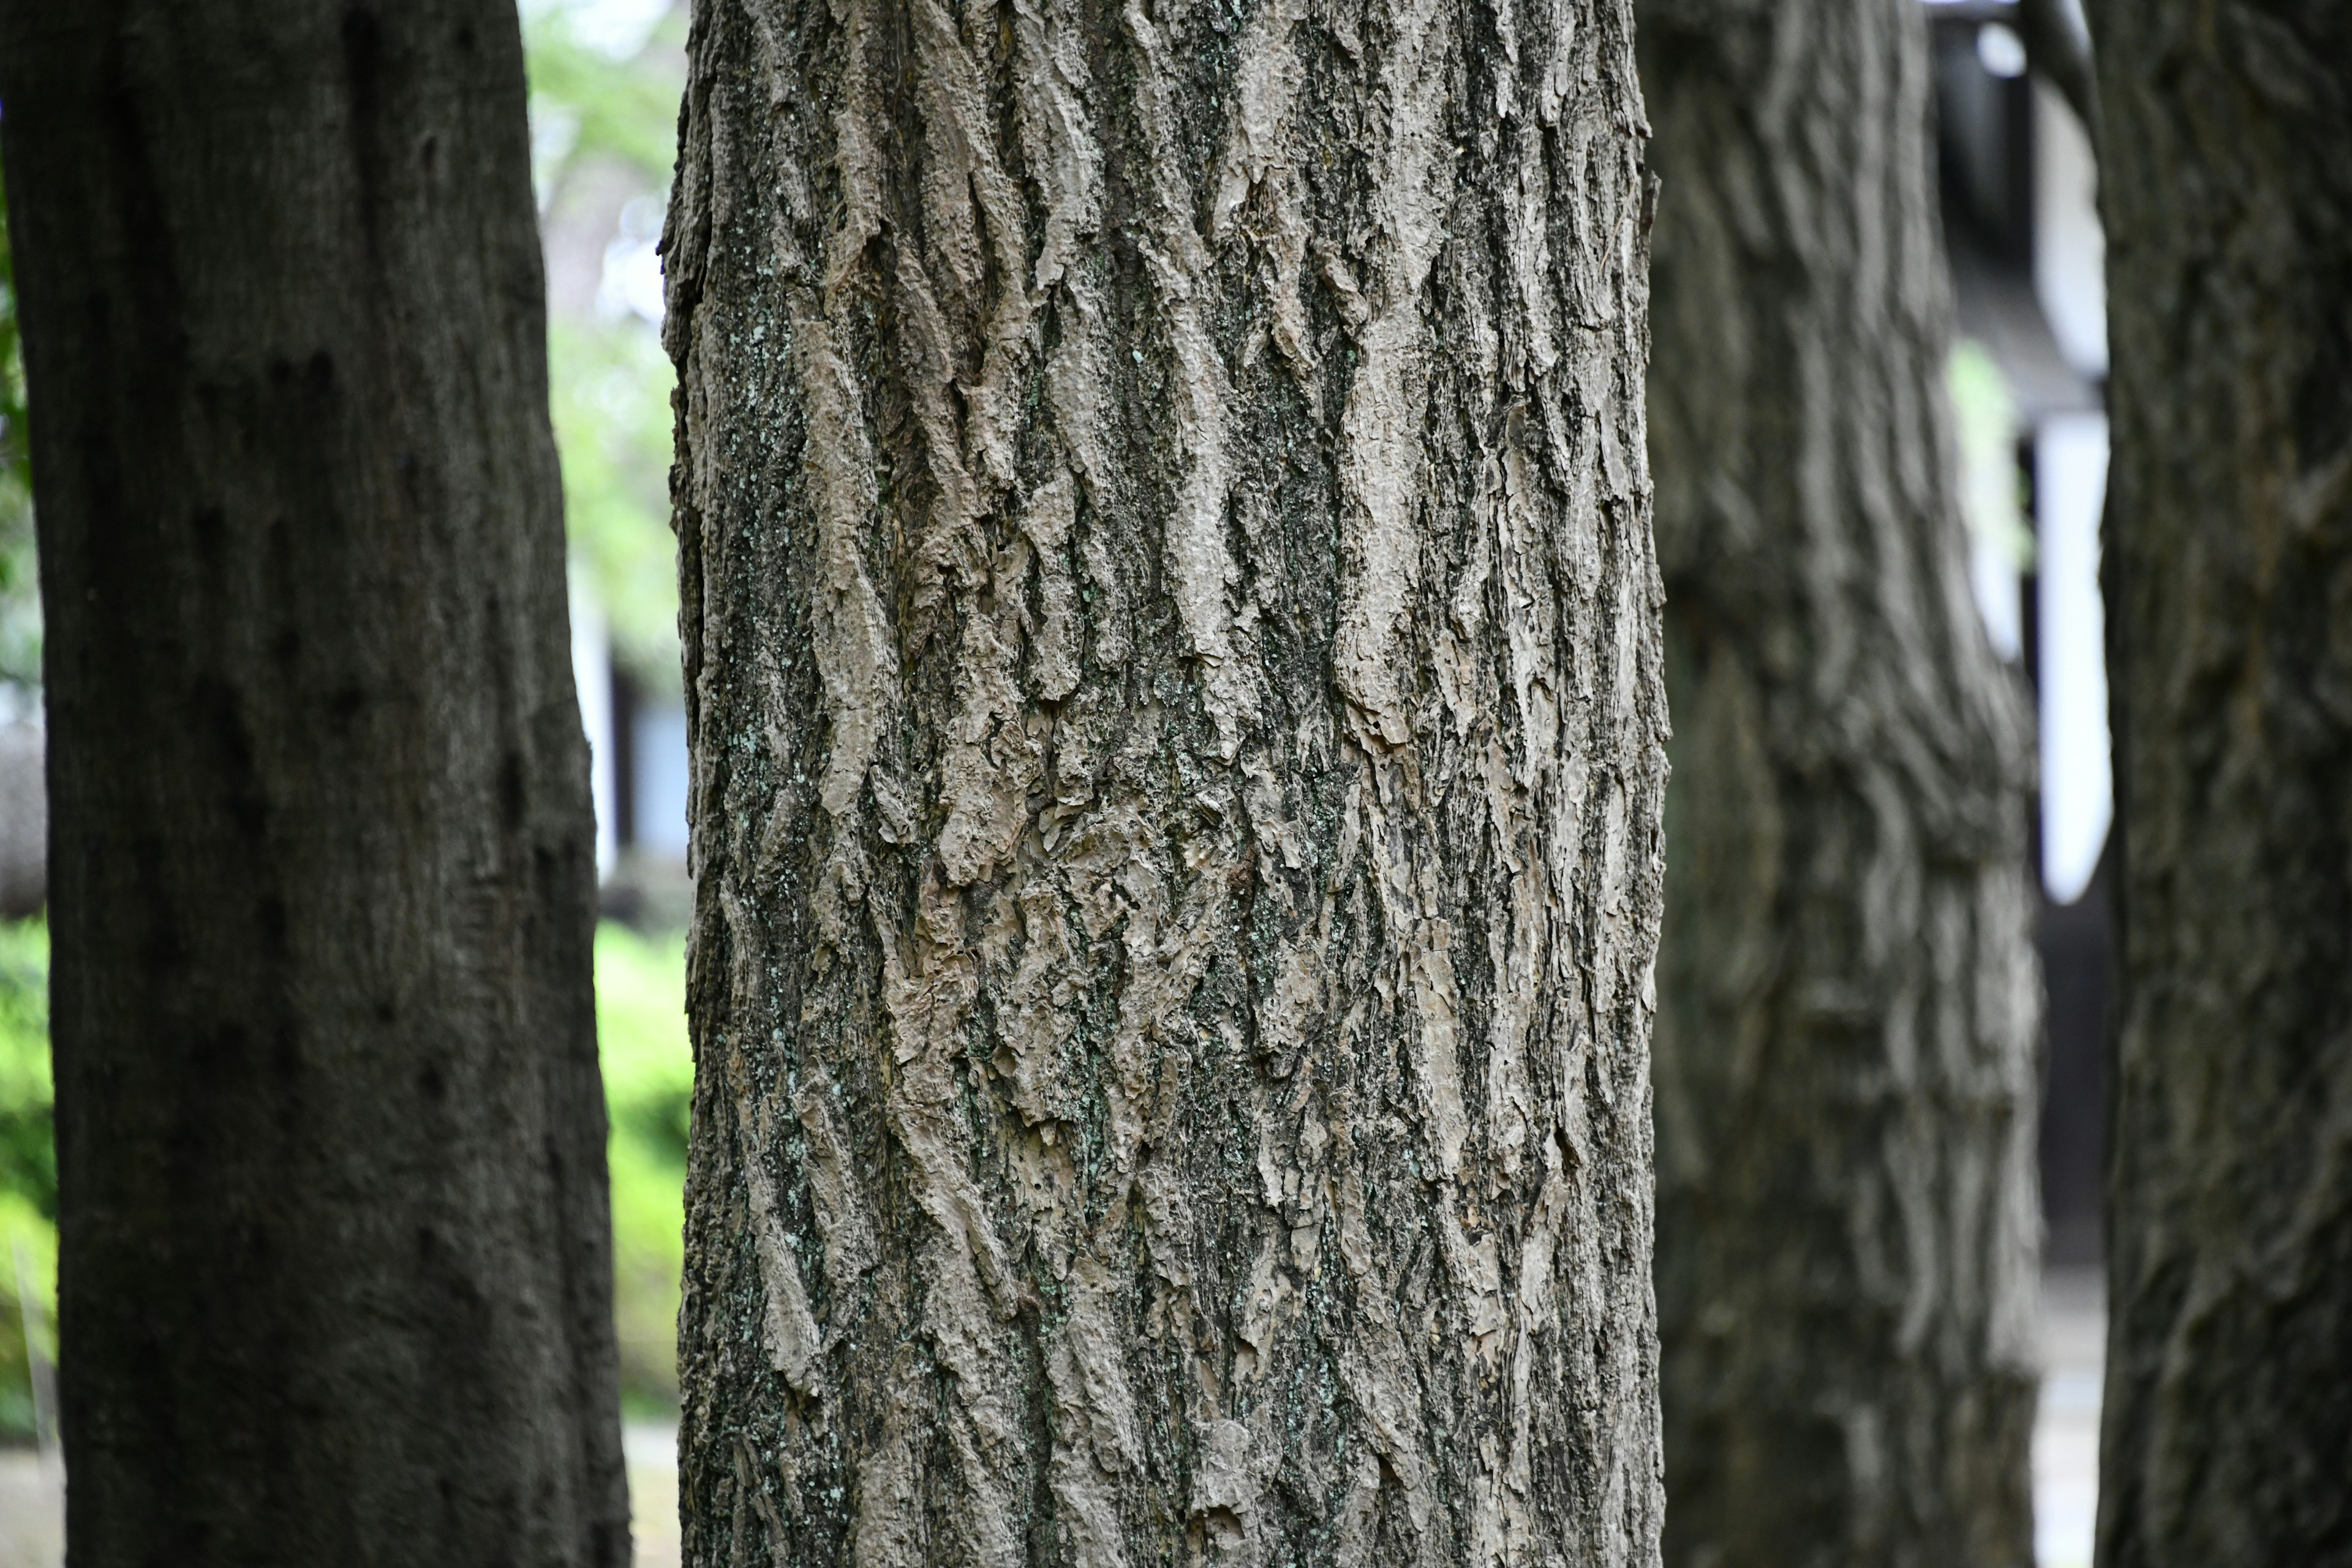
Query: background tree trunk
x,y
2228,197
1170,633
1846,1214
336,1283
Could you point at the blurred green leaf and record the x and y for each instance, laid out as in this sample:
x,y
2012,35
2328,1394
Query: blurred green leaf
x,y
600,117
28,1166
623,109
1986,423
649,1094
20,597
28,1169
609,385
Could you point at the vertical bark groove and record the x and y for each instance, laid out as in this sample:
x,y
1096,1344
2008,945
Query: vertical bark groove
x,y
1173,659
2228,572
1846,1215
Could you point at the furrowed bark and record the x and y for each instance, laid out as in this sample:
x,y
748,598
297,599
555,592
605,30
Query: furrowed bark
x,y
1171,645
334,1251
1846,1214
2228,203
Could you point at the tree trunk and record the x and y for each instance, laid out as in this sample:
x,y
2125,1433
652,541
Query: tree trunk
x,y
335,1249
1846,1215
1170,633
2228,199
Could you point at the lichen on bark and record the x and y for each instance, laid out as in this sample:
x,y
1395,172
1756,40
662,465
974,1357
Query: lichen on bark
x,y
1846,1200
1172,661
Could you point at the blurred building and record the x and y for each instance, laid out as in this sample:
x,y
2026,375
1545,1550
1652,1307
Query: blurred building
x,y
2021,224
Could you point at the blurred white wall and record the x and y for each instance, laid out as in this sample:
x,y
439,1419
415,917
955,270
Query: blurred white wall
x,y
2070,250
2070,483
592,673
661,767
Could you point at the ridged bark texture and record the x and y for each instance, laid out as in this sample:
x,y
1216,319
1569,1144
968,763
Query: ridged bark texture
x,y
335,1255
2228,197
1845,1084
1171,639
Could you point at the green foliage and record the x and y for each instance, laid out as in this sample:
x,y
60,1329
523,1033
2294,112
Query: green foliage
x,y
20,599
589,99
603,105
648,1088
610,396
28,1171
1986,421
28,1167
28,1266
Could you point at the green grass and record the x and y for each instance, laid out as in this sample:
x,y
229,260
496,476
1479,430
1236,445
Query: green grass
x,y
648,1085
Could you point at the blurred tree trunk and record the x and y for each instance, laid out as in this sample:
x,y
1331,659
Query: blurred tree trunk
x,y
1170,632
335,1261
2228,199
1846,1215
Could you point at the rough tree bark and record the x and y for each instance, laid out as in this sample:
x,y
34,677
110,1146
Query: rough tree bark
x,y
2228,200
335,1267
1846,1215
1170,633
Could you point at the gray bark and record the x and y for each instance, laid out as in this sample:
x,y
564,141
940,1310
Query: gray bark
x,y
335,1274
2227,201
1171,647
1846,1217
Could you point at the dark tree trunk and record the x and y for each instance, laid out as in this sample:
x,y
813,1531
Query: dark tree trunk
x,y
2227,189
335,1253
1845,1079
1170,633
